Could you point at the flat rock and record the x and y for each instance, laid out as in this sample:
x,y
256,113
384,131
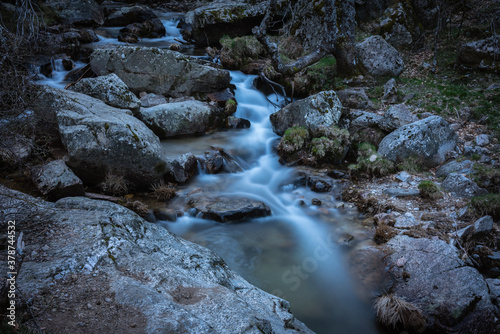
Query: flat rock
x,y
399,192
228,208
55,180
463,167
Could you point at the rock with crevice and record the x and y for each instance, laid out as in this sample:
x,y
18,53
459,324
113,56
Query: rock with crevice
x,y
430,279
228,208
428,140
159,71
320,110
172,284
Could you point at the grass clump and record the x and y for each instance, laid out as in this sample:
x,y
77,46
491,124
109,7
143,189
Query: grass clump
x,y
163,191
487,205
331,146
384,233
488,178
115,185
411,165
370,163
138,207
429,189
393,311
294,139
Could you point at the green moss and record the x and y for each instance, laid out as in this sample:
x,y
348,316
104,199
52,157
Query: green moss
x,y
487,205
294,139
369,163
429,189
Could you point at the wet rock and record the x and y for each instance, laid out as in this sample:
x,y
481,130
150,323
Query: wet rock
x,y
354,98
182,118
228,208
128,15
397,116
461,186
55,180
152,100
182,168
379,57
210,22
110,89
100,139
434,273
14,150
145,269
319,110
463,167
80,73
483,225
398,192
78,12
368,266
237,123
219,161
148,29
159,71
316,202
481,54
428,140
165,214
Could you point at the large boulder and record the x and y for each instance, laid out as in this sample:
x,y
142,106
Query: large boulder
x,y
159,71
78,12
428,140
316,111
55,180
380,58
234,18
228,208
431,275
128,15
481,54
103,260
182,118
110,89
101,139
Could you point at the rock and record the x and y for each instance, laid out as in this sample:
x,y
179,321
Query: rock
x,y
165,214
182,118
159,71
406,221
379,57
169,284
481,54
319,110
228,208
354,98
483,225
127,15
397,192
15,150
218,161
427,12
390,91
464,167
100,139
398,25
55,180
152,100
483,140
463,233
403,176
494,286
428,140
237,123
367,10
182,168
461,186
78,12
210,22
432,276
110,89
153,28
397,116
316,202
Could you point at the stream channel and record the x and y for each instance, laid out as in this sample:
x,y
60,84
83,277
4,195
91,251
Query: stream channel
x,y
296,253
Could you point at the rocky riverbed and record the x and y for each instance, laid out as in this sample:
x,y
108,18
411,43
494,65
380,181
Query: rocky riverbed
x,y
396,166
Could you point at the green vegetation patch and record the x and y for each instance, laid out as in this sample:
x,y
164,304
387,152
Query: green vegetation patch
x,y
486,205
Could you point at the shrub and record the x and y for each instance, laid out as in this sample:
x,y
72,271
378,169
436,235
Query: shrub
x,y
393,311
429,189
332,145
487,205
115,185
162,191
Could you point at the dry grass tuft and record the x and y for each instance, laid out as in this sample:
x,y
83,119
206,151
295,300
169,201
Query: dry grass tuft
x,y
138,207
115,185
384,233
393,311
162,191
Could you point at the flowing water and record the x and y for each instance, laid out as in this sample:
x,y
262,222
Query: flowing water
x,y
294,253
